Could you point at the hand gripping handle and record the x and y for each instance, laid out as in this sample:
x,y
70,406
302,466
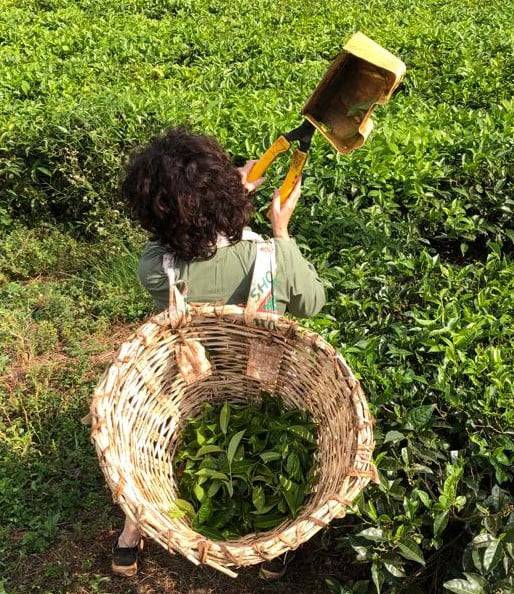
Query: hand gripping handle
x,y
295,170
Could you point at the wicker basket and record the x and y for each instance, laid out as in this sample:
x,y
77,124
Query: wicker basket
x,y
150,390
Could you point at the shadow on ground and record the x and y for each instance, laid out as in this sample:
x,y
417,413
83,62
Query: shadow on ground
x,y
80,564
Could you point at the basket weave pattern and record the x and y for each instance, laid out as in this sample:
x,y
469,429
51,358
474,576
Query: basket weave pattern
x,y
143,401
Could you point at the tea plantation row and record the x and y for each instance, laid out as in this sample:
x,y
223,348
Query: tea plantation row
x,y
413,235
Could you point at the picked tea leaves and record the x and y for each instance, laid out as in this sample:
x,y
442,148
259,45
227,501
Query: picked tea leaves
x,y
243,468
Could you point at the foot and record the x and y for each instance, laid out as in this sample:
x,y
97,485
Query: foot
x,y
124,559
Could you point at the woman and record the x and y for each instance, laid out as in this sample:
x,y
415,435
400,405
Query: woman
x,y
196,204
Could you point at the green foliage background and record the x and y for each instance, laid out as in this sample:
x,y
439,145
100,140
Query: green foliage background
x,y
413,234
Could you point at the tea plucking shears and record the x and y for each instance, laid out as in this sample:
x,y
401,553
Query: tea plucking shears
x,y
362,76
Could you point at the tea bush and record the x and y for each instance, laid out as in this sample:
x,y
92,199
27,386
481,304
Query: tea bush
x,y
413,235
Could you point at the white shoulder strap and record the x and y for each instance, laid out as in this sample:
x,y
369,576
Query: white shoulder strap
x,y
177,302
261,298
249,235
168,264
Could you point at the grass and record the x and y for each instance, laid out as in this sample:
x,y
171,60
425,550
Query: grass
x,y
57,332
412,234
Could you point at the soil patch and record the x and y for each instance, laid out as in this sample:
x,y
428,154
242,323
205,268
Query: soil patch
x,y
79,564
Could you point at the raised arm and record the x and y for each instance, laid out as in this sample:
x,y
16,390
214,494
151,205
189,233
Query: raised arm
x,y
304,287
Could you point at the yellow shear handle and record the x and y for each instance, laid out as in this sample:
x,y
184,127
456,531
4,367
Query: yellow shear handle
x,y
280,145
295,170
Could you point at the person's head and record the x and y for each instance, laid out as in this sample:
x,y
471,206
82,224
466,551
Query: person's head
x,y
183,188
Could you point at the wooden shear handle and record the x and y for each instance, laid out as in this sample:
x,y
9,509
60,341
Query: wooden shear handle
x,y
298,159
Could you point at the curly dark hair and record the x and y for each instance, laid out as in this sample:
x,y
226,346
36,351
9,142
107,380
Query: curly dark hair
x,y
184,190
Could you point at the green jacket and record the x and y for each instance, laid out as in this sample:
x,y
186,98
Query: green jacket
x,y
226,277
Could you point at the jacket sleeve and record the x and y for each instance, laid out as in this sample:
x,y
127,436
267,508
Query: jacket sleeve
x,y
151,273
304,287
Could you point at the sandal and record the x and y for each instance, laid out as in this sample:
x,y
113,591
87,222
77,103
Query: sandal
x,y
275,569
124,559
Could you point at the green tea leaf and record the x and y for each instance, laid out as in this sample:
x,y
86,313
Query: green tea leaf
x,y
268,521
180,508
185,506
234,444
461,586
199,491
264,471
258,498
290,493
211,473
302,432
293,465
214,487
265,509
423,496
377,576
230,488
224,417
393,436
410,550
200,437
208,449
45,171
223,516
492,555
440,522
421,415
395,567
374,534
209,532
256,443
205,511
270,456
175,513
